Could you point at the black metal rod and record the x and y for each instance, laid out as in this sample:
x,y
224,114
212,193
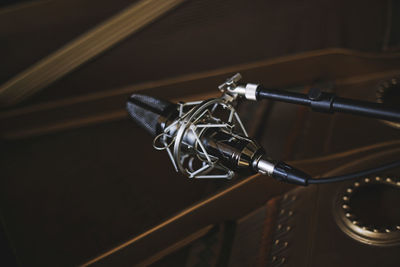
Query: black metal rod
x,y
368,109
283,96
329,103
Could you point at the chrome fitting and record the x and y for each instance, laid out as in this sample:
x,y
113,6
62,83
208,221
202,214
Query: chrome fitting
x,y
232,88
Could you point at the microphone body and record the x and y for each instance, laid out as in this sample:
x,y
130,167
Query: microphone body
x,y
203,142
234,152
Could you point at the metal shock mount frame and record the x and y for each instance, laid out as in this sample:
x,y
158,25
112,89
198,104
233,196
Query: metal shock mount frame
x,y
194,118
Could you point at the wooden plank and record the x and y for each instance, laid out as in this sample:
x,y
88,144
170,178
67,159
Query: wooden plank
x,y
82,49
344,67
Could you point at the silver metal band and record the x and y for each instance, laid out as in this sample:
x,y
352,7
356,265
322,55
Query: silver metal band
x,y
265,167
251,91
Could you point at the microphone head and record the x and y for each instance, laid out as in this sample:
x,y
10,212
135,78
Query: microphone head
x,y
150,113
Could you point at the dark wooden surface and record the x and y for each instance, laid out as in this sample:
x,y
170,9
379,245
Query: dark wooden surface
x,y
70,195
198,36
338,66
78,178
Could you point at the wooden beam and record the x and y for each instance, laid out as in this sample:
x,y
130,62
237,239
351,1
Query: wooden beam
x,y
82,49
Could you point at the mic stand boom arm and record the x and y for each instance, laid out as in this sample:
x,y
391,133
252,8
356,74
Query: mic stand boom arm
x,y
316,99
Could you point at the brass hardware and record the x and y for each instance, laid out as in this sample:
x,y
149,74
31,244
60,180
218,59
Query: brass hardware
x,y
354,227
387,91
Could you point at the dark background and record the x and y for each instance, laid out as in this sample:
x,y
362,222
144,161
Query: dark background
x,y
196,36
68,195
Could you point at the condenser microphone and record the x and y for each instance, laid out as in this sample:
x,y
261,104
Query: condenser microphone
x,y
206,139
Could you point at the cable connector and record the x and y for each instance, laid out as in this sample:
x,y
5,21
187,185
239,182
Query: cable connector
x,y
281,171
286,173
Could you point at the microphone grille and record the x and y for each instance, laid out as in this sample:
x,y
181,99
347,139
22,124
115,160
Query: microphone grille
x,y
146,111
